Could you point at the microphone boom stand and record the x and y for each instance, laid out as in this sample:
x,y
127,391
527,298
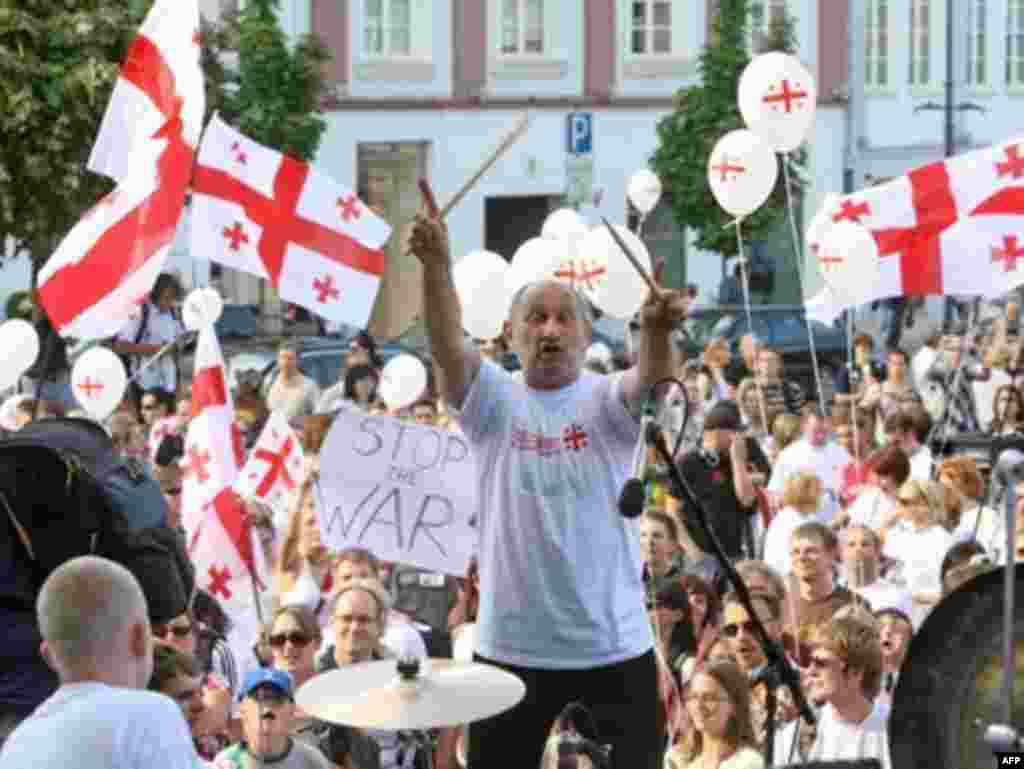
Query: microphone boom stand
x,y
778,670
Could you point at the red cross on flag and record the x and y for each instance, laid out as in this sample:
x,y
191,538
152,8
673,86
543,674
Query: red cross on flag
x,y
280,219
107,265
274,469
221,542
951,227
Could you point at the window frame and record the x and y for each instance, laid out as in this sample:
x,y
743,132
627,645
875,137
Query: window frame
x,y
755,34
522,27
386,29
1014,59
914,8
979,31
650,28
551,64
681,63
875,57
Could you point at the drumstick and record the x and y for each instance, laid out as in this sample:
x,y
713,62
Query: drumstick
x,y
655,288
513,136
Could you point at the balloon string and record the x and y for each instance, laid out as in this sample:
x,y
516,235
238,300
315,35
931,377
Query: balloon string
x,y
799,252
750,322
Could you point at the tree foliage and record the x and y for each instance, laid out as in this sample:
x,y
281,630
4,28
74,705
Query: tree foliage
x,y
275,96
59,60
702,114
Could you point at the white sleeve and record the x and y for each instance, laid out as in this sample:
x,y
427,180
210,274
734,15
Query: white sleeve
x,y
130,330
161,738
776,554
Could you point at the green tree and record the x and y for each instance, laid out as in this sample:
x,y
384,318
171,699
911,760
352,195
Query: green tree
x,y
274,97
702,114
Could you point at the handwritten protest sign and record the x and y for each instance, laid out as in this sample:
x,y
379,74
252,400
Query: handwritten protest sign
x,y
406,492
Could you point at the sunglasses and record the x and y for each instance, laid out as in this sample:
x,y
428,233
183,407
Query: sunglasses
x,y
178,631
278,640
148,406
175,492
909,502
733,628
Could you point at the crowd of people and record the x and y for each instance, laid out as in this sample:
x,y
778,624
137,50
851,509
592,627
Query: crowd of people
x,y
845,521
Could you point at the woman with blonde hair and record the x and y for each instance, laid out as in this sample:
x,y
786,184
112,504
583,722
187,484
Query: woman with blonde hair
x,y
913,537
302,572
965,488
721,734
786,429
801,502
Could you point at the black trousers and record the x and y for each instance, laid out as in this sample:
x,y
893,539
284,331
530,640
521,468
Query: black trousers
x,y
623,699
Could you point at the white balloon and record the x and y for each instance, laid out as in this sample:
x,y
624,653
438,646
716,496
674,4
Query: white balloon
x,y
564,224
402,381
536,259
742,171
620,291
98,381
19,348
849,262
820,224
482,285
644,190
202,307
777,98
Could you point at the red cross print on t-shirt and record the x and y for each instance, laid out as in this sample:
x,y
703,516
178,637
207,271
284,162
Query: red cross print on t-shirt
x,y
574,437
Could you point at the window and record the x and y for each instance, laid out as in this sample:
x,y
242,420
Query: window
x,y
764,14
920,42
877,38
650,27
388,28
1015,42
977,42
522,27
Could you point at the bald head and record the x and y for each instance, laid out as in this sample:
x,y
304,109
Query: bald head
x,y
86,609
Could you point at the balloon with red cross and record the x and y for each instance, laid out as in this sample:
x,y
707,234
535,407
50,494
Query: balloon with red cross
x,y
98,380
481,283
848,258
19,348
777,98
608,276
536,259
742,171
820,223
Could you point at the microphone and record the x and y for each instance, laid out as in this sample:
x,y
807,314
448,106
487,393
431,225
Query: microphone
x,y
633,498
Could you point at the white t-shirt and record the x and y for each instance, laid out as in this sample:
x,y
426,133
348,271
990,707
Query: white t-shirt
x,y
560,569
826,461
921,463
95,726
162,326
840,740
991,531
871,507
776,541
922,361
744,758
921,552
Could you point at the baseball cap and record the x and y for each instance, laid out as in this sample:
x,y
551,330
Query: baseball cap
x,y
254,679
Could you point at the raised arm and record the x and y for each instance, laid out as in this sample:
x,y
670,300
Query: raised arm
x,y
658,358
442,312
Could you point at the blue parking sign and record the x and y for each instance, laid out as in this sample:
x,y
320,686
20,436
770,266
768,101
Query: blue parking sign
x,y
580,133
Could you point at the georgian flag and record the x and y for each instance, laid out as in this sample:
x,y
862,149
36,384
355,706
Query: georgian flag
x,y
228,560
256,210
107,265
951,227
275,465
160,76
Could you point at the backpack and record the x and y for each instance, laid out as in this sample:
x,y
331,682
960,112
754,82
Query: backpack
x,y
65,492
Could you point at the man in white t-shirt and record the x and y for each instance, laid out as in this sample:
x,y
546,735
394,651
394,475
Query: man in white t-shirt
x,y
93,619
815,452
844,673
561,596
157,323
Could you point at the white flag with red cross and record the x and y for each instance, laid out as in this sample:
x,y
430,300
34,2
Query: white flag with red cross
x,y
275,465
107,265
270,215
222,545
160,77
950,227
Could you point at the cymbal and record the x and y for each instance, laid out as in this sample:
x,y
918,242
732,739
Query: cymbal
x,y
950,683
375,695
